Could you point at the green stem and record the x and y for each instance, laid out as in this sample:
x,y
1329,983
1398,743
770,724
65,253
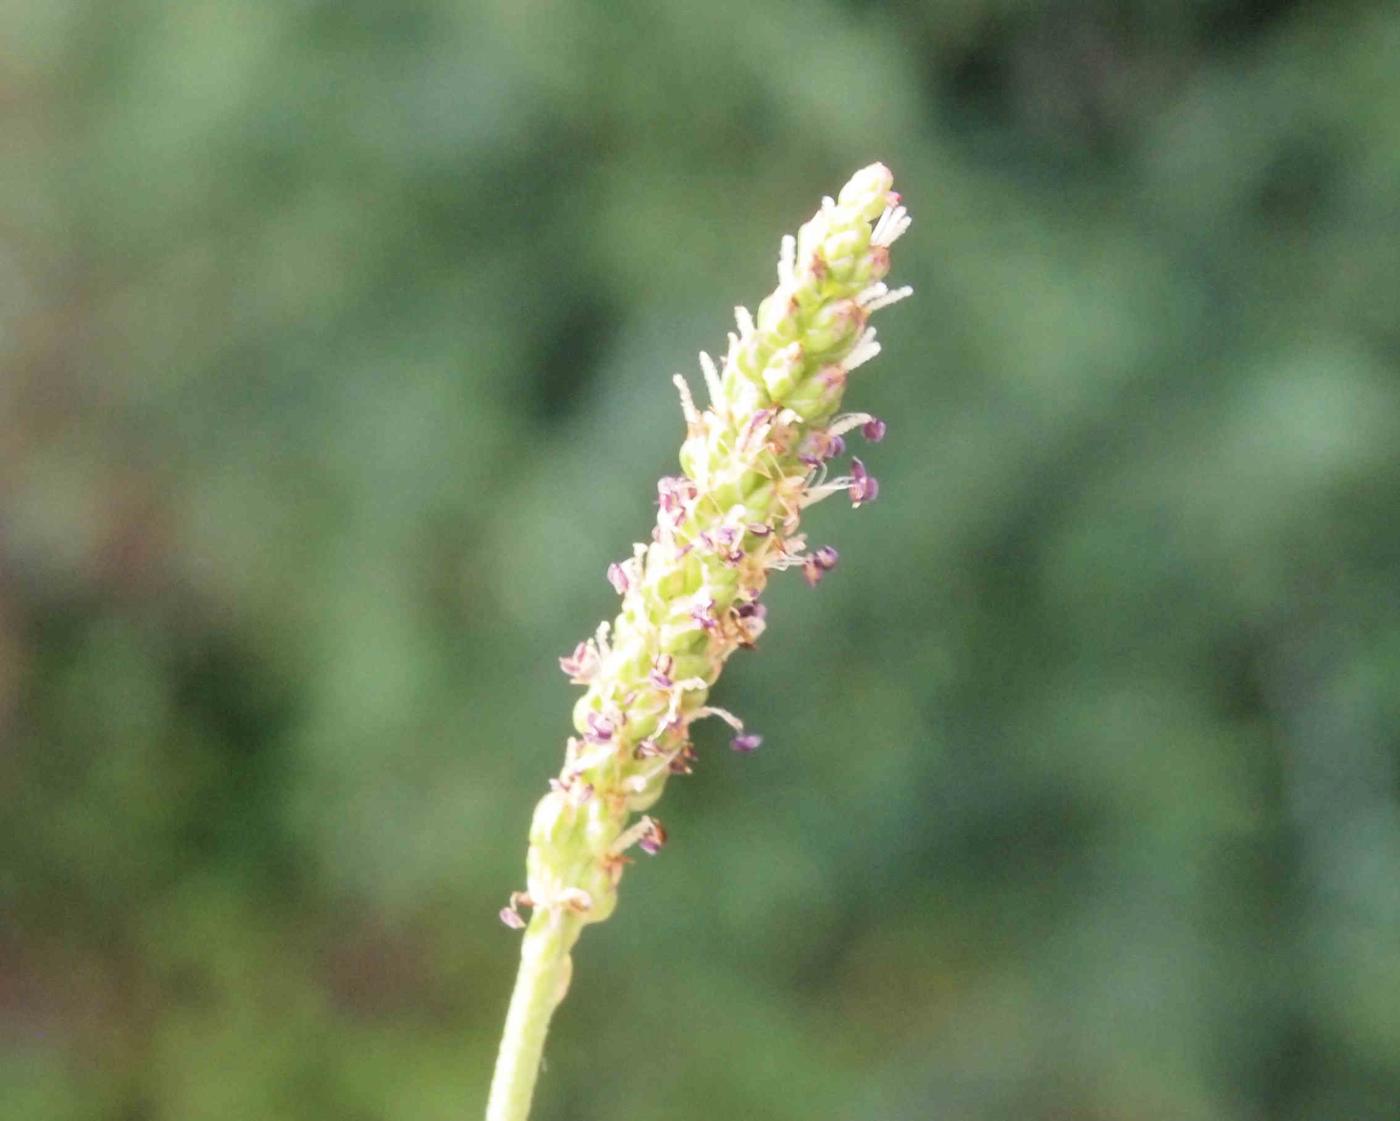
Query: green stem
x,y
539,987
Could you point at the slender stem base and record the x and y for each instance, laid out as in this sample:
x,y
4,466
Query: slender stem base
x,y
540,985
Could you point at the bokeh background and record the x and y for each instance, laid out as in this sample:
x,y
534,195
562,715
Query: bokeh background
x,y
335,347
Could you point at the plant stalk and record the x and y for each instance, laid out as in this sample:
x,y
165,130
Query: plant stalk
x,y
545,967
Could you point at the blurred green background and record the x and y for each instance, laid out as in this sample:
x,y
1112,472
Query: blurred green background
x,y
335,345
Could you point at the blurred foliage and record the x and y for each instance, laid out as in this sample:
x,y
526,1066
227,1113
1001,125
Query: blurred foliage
x,y
335,342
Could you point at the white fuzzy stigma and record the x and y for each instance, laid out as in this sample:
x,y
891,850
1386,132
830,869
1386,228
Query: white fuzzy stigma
x,y
787,260
692,414
712,382
887,298
891,226
864,350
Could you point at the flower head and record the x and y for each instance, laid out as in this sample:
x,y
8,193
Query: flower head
x,y
753,459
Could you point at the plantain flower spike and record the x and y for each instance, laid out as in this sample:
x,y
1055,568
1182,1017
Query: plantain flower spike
x,y
753,460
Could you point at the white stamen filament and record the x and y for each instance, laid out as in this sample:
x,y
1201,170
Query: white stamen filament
x,y
744,321
678,692
723,713
631,836
843,424
816,494
641,781
595,755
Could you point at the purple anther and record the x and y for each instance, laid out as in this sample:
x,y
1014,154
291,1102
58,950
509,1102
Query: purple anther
x,y
763,416
746,742
873,430
600,728
672,491
819,446
651,841
660,675
512,919
826,557
579,665
704,614
617,577
864,486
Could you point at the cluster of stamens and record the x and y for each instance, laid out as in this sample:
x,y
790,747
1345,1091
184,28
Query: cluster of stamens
x,y
753,459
